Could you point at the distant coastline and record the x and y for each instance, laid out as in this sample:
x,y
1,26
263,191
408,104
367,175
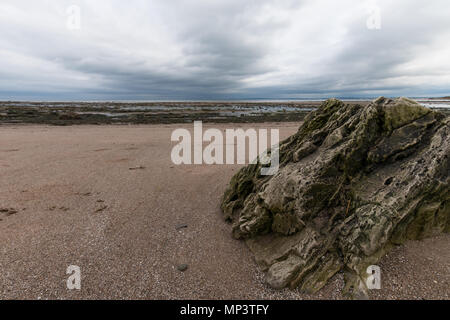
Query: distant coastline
x,y
167,112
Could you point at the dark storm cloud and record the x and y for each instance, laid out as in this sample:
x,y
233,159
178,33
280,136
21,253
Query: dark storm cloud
x,y
223,49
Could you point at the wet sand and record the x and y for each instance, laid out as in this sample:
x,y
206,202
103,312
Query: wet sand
x,y
72,199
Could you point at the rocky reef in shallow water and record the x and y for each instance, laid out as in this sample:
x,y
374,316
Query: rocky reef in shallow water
x,y
353,182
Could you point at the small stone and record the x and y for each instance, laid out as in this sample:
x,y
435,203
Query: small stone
x,y
102,208
137,168
182,267
181,226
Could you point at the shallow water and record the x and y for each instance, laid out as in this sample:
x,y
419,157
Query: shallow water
x,y
436,105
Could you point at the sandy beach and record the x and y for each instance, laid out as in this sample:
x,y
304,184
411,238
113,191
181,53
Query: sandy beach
x,y
109,199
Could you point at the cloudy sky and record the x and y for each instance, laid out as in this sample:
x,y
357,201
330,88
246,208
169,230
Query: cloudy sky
x,y
222,49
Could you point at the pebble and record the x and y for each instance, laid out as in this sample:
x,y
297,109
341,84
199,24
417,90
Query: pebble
x,y
182,267
181,226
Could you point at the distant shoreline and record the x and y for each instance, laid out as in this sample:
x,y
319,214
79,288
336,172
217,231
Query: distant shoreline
x,y
76,113
79,113
208,101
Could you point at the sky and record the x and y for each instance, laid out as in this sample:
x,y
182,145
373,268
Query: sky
x,y
223,49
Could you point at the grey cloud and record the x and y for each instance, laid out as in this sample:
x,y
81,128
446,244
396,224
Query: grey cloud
x,y
220,50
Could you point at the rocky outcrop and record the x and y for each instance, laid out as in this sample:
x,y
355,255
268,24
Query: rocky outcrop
x,y
353,182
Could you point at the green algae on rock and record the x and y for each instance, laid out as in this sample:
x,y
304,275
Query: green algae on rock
x,y
353,182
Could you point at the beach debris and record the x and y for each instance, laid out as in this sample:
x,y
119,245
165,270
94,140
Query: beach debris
x,y
181,226
102,208
8,211
137,168
353,182
182,267
84,194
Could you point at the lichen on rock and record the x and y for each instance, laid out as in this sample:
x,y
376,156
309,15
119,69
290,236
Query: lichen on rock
x,y
353,182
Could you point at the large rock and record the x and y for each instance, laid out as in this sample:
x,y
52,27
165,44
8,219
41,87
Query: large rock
x,y
353,182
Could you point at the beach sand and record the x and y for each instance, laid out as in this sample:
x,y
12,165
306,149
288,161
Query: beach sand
x,y
69,198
